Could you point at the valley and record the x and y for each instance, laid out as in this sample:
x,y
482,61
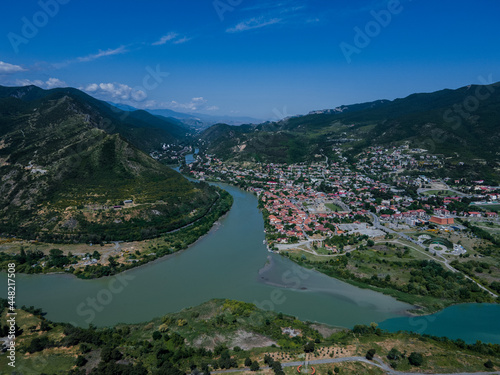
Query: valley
x,y
383,219
261,187
383,231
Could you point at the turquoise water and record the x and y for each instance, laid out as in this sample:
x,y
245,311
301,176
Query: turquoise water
x,y
469,322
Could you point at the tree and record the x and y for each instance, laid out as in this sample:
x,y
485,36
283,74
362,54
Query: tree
x,y
370,354
489,364
248,362
81,361
45,326
156,335
109,354
55,253
394,354
416,359
112,262
255,366
38,344
204,367
309,347
276,366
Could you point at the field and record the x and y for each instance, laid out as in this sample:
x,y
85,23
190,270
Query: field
x,y
489,207
492,228
333,207
406,272
440,193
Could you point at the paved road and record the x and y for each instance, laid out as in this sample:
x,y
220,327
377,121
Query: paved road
x,y
293,245
377,362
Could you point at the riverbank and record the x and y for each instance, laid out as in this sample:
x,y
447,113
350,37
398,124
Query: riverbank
x,y
194,336
345,270
397,271
88,262
225,263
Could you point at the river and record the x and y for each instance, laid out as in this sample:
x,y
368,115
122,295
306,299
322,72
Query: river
x,y
231,261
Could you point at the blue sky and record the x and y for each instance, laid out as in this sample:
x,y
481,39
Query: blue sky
x,y
265,59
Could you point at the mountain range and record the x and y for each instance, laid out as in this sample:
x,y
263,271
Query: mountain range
x,y
463,125
197,121
75,169
69,162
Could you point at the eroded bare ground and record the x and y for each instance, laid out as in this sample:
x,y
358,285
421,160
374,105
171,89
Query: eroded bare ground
x,y
243,339
326,331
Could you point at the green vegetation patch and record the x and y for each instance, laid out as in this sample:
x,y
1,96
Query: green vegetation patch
x,y
205,339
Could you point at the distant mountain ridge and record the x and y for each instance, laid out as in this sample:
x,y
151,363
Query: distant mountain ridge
x,y
197,121
463,124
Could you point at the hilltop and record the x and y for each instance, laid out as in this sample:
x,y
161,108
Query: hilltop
x,y
73,169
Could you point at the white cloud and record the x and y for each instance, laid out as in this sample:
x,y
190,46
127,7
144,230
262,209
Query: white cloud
x,y
92,57
271,13
124,94
6,68
172,37
164,39
195,104
253,23
109,52
55,82
182,40
115,91
198,100
49,84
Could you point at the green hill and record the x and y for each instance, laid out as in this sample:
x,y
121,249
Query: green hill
x,y
462,124
140,128
66,162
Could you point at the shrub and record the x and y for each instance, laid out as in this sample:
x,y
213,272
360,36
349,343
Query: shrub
x,y
489,364
255,366
81,361
370,353
394,354
416,359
